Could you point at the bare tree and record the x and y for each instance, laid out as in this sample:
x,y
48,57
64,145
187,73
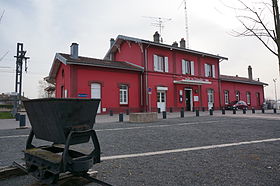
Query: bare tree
x,y
2,15
46,89
260,20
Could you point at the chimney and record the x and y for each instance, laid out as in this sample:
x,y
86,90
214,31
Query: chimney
x,y
156,37
74,50
175,44
250,73
182,43
112,41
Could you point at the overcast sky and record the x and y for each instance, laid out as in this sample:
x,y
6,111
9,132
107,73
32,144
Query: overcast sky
x,y
50,26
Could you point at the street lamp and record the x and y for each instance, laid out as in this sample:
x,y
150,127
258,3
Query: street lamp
x,y
274,80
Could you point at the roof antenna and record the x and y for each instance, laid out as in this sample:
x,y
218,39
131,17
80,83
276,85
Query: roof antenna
x,y
159,23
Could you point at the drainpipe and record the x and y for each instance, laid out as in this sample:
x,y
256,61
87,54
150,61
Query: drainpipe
x,y
146,78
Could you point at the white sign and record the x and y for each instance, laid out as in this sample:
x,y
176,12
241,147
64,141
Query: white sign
x,y
195,98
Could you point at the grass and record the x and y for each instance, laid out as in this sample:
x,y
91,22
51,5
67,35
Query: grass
x,y
6,115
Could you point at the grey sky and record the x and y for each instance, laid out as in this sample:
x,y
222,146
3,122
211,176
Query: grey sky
x,y
49,26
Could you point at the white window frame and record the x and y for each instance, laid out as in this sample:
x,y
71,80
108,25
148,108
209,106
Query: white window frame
x,y
248,96
187,67
123,94
209,70
226,97
160,63
237,95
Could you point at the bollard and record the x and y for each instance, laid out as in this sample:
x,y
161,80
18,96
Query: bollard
x,y
164,114
197,113
17,116
22,121
158,110
274,111
182,113
203,109
253,110
263,110
111,113
127,111
193,109
171,110
120,117
244,111
223,111
234,111
211,112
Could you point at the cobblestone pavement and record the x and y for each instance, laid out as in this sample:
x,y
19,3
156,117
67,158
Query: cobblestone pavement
x,y
207,150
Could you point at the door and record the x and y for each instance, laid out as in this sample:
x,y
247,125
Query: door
x,y
161,100
188,100
96,93
210,94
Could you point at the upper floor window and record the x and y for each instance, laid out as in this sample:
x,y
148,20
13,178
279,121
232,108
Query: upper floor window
x,y
123,94
226,97
160,63
209,70
187,67
237,96
248,95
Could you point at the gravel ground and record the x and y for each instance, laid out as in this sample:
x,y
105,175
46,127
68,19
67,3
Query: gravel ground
x,y
250,164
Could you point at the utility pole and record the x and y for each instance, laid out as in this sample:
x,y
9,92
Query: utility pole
x,y
20,58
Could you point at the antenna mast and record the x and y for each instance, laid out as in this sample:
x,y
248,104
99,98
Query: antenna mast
x,y
186,23
159,22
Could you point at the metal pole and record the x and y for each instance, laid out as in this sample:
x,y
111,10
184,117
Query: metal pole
x,y
274,80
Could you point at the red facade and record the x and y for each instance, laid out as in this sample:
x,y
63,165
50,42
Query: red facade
x,y
142,75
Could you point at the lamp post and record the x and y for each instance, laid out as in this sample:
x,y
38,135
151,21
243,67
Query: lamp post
x,y
276,105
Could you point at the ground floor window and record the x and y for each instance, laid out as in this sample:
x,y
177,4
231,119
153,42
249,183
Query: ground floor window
x,y
248,95
226,97
258,98
237,96
210,95
123,94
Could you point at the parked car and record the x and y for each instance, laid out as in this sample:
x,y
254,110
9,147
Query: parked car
x,y
237,105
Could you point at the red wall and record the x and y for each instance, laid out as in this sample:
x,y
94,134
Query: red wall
x,y
110,79
62,80
243,88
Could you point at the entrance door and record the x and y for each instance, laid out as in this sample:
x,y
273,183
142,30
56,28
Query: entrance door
x,y
210,94
188,99
161,100
96,93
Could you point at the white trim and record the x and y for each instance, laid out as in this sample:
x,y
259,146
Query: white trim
x,y
192,82
162,88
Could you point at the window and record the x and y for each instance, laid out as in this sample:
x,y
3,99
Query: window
x,y
187,67
209,70
258,98
226,97
237,96
248,95
160,63
123,94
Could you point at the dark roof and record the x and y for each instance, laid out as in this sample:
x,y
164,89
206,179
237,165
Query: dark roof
x,y
120,38
101,63
67,60
240,80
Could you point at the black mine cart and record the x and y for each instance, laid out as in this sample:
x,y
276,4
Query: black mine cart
x,y
63,122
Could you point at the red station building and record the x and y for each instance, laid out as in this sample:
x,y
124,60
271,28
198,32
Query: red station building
x,y
141,75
